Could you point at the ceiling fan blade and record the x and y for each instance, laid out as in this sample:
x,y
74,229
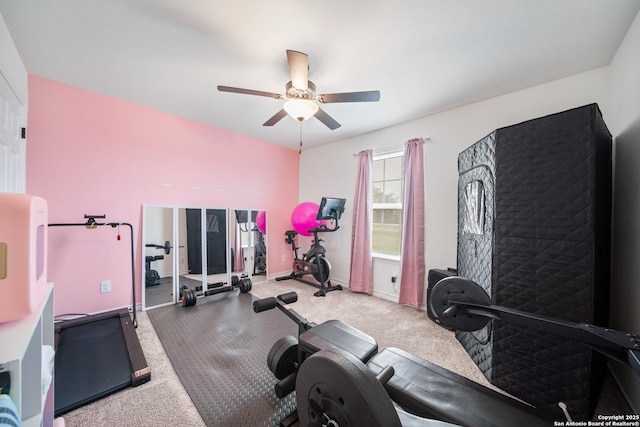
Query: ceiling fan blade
x,y
249,92
276,118
326,119
298,68
368,96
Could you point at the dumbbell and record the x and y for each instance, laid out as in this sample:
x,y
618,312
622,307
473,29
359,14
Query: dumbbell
x,y
244,283
188,296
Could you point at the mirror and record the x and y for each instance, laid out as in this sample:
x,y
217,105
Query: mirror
x,y
198,261
248,244
158,272
206,244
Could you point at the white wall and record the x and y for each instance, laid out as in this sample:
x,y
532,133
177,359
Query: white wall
x,y
625,280
330,170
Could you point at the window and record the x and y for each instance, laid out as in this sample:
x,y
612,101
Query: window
x,y
473,208
387,203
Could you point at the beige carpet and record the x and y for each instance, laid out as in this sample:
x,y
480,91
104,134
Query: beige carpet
x,y
164,402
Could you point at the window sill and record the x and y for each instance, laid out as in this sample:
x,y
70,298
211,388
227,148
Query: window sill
x,y
386,257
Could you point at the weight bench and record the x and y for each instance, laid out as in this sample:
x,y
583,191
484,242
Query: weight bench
x,y
414,385
423,388
420,387
430,391
334,334
417,387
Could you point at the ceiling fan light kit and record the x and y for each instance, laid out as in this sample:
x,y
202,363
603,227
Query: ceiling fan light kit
x,y
301,96
300,109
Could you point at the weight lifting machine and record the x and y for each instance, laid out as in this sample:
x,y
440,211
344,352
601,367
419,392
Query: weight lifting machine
x,y
332,369
314,262
463,305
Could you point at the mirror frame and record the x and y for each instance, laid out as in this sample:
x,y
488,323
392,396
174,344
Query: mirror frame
x,y
249,257
144,238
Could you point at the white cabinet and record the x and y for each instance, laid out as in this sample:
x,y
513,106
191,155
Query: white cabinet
x,y
21,354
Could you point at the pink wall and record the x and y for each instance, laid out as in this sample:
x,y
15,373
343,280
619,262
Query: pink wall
x,y
88,153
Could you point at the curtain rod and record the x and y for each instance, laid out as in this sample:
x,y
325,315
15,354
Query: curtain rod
x,y
389,150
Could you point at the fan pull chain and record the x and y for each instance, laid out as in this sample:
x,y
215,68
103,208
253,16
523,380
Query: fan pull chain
x,y
300,152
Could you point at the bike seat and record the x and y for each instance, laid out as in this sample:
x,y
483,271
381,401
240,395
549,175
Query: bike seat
x,y
290,235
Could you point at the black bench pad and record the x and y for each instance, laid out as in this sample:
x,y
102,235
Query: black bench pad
x,y
430,391
336,334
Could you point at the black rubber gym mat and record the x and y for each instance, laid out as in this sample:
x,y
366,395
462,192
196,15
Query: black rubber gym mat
x,y
219,350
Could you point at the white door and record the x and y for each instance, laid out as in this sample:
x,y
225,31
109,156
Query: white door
x,y
13,115
12,145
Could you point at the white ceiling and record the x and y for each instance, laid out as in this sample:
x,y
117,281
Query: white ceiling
x,y
424,56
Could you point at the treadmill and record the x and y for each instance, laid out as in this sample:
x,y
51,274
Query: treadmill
x,y
96,356
99,354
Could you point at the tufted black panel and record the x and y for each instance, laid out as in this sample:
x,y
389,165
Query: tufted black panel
x,y
549,249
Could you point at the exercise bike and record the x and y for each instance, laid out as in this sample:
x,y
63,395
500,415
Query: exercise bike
x,y
260,254
314,261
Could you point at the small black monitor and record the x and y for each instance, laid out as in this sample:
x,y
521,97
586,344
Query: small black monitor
x,y
330,208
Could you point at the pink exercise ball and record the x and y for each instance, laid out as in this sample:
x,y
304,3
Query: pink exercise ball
x,y
261,222
303,218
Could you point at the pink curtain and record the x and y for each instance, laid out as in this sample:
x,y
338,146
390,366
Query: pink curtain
x,y
238,260
361,279
412,269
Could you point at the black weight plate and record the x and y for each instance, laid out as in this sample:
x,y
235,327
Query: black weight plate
x,y
335,385
152,277
189,297
234,280
459,289
245,285
283,356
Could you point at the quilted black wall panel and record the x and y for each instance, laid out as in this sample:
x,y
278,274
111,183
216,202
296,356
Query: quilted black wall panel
x,y
543,248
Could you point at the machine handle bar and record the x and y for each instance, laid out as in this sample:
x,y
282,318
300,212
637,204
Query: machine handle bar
x,y
621,346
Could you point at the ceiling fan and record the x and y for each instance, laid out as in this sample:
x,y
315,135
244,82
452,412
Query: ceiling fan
x,y
300,93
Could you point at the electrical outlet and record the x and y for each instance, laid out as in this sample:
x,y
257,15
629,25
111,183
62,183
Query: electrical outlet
x,y
105,286
284,258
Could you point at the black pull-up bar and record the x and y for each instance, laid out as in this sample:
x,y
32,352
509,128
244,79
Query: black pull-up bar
x,y
91,224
